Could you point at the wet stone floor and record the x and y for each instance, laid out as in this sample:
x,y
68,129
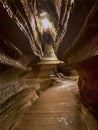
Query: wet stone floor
x,y
56,109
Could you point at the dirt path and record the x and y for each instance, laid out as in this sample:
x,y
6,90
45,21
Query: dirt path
x,y
56,109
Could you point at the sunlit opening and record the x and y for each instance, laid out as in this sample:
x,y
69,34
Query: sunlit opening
x,y
45,23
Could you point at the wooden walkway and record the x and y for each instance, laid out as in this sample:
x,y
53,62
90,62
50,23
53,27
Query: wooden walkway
x,y
56,109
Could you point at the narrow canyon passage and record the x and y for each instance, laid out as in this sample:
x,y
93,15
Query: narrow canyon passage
x,y
39,40
56,109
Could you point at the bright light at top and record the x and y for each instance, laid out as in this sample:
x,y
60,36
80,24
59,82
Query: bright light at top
x,y
45,23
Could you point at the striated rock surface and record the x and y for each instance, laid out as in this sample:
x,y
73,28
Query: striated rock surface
x,y
73,35
82,56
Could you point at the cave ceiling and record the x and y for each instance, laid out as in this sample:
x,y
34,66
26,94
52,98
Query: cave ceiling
x,y
21,34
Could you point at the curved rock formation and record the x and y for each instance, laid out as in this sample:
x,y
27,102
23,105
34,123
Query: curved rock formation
x,y
23,40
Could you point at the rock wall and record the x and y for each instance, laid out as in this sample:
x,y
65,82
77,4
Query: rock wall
x,y
19,90
88,84
22,48
15,97
82,55
88,118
